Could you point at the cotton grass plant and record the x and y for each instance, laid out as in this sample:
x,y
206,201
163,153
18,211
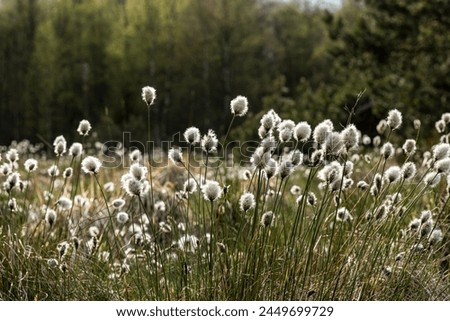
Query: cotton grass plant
x,y
319,212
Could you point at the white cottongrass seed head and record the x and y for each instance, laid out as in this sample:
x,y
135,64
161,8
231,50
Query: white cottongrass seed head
x,y
209,142
286,130
376,141
12,204
13,179
350,136
267,122
192,135
445,138
262,132
60,149
60,145
190,186
441,151
75,149
311,199
188,243
50,216
109,187
426,228
64,203
363,185
425,216
134,187
267,219
84,127
343,215
12,155
321,131
432,179
414,225
435,237
160,206
317,157
394,119
392,174
118,203
176,156
417,123
211,190
409,147
295,190
443,165
286,168
52,263
47,196
67,173
271,168
5,169
366,140
408,170
91,165
446,118
247,201
387,150
381,126
296,157
269,143
286,124
135,156
378,180
122,217
239,106
275,117
60,140
440,126
348,168
30,165
53,171
355,158
148,95
285,135
330,172
138,172
260,158
333,145
302,131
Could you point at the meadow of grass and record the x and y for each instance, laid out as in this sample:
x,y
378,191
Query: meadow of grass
x,y
314,214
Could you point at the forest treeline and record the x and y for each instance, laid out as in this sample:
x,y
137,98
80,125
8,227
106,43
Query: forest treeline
x,y
63,61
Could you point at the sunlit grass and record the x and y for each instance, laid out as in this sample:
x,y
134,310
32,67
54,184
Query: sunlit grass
x,y
350,218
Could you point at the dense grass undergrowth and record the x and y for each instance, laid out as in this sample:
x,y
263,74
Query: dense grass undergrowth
x,y
316,214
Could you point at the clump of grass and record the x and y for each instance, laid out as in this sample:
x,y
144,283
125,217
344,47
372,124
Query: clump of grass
x,y
314,213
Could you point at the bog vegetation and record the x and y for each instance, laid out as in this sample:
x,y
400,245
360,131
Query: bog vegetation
x,y
316,213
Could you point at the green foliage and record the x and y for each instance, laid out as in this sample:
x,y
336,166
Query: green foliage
x,y
67,60
397,51
62,61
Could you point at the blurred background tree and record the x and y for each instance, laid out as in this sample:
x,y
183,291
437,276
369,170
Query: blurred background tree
x,y
399,52
62,61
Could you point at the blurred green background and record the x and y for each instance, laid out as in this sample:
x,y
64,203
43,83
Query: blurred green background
x,y
65,60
